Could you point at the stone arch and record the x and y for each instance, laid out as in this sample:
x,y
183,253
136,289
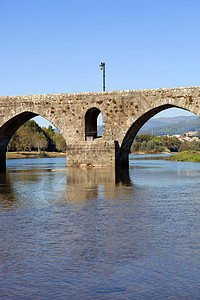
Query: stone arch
x,y
12,123
135,127
91,123
7,130
123,151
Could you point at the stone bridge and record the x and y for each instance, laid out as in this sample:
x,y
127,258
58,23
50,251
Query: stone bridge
x,y
75,116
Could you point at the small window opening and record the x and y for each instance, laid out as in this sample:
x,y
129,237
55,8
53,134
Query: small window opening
x,y
93,124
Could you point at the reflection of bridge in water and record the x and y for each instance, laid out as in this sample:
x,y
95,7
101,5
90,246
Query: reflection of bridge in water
x,y
77,185
85,184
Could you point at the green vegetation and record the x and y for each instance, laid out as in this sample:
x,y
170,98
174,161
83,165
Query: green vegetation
x,y
193,156
147,143
154,144
31,137
187,151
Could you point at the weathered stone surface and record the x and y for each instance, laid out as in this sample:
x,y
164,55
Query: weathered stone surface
x,y
124,113
91,153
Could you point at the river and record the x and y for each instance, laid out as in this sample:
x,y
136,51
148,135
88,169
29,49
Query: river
x,y
88,234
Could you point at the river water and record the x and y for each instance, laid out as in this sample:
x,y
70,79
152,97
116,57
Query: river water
x,y
94,234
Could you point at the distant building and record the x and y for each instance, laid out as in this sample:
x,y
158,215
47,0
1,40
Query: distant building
x,y
191,133
188,136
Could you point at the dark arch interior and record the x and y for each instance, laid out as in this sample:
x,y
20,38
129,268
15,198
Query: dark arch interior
x,y
91,124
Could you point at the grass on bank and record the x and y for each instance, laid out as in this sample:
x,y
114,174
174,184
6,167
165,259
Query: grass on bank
x,y
190,155
33,154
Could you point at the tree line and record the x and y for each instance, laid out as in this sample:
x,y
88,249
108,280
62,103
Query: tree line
x,y
31,137
152,143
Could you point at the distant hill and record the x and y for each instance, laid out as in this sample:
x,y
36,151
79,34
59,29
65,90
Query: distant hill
x,y
165,121
164,126
174,125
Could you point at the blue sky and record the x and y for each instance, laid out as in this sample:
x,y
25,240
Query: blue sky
x,y
56,46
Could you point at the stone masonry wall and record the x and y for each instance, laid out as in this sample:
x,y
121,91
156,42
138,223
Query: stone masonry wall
x,y
91,153
124,112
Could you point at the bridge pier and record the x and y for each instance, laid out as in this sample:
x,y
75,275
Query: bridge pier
x,y
91,153
96,153
2,161
121,156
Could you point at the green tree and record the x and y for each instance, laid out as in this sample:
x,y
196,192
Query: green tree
x,y
184,146
135,146
31,136
154,145
51,137
195,145
22,140
140,142
40,141
60,143
14,143
173,144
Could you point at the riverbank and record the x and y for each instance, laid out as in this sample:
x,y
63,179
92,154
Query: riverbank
x,y
192,156
151,152
33,154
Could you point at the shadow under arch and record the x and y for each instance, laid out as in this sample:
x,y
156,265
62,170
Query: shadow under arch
x,y
123,151
8,129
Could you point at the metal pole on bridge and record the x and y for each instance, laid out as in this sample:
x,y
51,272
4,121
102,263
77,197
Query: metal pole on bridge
x,y
102,67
